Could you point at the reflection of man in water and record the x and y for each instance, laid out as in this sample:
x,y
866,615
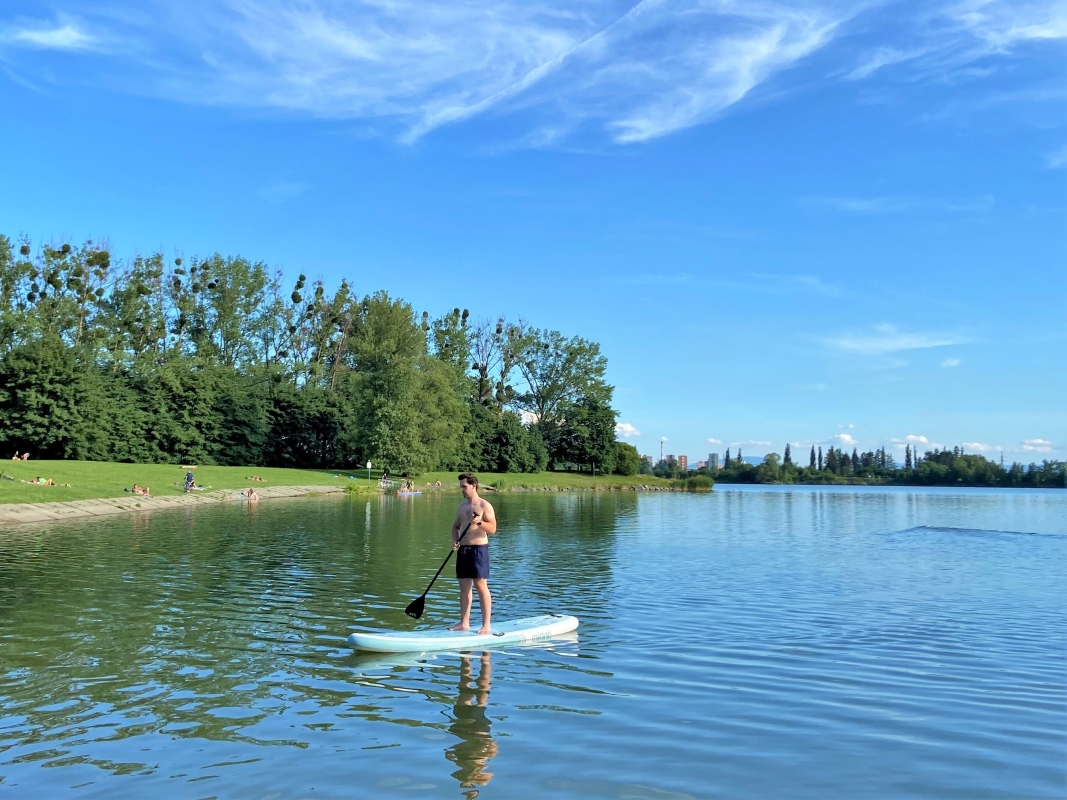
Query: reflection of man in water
x,y
471,725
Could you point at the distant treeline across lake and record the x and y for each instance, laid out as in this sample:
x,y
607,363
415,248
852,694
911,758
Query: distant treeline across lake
x,y
942,467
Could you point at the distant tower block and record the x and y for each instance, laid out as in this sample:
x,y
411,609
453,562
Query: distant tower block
x,y
713,461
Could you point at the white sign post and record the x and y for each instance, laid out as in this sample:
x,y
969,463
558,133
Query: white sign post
x,y
368,470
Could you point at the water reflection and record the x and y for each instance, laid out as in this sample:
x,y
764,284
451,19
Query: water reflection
x,y
472,726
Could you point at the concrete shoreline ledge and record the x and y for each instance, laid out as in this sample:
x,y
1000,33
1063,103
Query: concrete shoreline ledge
x,y
16,513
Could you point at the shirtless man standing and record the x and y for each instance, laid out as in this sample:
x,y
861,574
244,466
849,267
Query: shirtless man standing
x,y
472,560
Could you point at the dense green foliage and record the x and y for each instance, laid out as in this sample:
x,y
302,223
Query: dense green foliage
x,y
935,468
211,361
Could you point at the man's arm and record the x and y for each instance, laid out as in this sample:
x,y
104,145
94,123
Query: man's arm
x,y
487,523
455,531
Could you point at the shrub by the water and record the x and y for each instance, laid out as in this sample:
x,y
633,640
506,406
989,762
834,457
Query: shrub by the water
x,y
698,483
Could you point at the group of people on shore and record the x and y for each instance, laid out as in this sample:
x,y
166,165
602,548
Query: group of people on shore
x,y
24,457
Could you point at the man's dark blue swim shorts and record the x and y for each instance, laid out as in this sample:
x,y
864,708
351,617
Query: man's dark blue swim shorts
x,y
472,561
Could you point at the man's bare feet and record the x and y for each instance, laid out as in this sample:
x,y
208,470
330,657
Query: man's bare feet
x,y
459,626
484,630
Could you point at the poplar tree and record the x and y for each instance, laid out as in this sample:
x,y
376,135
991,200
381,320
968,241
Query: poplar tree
x,y
812,464
820,458
907,456
788,457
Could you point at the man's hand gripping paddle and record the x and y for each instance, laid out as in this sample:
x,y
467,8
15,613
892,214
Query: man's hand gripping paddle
x,y
416,607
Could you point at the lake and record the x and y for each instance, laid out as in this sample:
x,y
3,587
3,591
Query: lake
x,y
785,642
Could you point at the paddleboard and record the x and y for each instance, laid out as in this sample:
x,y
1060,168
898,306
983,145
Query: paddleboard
x,y
407,494
528,629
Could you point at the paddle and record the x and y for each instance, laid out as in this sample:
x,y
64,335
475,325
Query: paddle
x,y
415,608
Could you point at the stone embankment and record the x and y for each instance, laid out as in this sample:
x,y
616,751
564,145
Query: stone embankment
x,y
14,513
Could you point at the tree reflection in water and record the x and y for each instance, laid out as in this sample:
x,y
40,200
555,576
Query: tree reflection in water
x,y
470,723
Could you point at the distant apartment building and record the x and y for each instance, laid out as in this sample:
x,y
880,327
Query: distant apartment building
x,y
713,461
683,463
672,458
701,465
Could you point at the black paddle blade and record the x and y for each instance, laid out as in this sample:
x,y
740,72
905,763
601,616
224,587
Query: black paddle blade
x,y
415,608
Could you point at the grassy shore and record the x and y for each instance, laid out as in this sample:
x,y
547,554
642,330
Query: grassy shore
x,y
94,479
547,480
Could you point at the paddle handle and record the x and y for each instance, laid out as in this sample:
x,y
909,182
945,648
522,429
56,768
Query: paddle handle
x,y
443,563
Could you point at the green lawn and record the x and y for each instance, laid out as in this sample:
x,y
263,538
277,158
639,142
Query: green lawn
x,y
92,479
569,480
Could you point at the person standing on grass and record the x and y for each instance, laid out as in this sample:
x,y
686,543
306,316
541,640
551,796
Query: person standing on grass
x,y
472,558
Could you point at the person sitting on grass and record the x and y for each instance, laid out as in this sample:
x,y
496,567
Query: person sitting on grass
x,y
16,456
257,478
26,456
141,491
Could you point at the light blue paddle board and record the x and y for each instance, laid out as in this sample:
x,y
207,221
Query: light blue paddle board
x,y
528,629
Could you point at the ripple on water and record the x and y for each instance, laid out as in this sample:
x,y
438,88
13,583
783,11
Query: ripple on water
x,y
806,645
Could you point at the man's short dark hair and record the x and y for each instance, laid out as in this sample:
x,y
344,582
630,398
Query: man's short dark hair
x,y
472,480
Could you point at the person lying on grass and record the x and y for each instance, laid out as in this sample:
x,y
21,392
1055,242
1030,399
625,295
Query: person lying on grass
x,y
139,490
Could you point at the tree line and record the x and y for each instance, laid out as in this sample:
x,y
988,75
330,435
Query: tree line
x,y
943,467
216,361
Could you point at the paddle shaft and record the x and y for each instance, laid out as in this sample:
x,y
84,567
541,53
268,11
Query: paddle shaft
x,y
443,563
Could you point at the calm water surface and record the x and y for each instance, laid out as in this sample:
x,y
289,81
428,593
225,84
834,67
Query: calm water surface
x,y
808,643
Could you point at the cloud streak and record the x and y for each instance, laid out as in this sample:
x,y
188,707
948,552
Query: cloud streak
x,y
633,70
885,339
65,33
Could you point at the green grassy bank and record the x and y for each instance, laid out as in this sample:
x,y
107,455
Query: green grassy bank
x,y
93,479
547,480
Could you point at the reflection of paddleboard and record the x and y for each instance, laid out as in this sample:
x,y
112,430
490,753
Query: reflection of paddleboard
x,y
407,494
529,629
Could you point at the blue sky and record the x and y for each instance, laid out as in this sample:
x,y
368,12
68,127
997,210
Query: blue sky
x,y
806,222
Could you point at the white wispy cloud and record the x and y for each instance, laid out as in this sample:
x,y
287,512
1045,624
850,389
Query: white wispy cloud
x,y
1002,25
635,70
950,362
753,442
626,430
714,441
915,441
889,339
844,439
282,190
1038,446
882,57
978,447
1058,160
63,34
797,283
898,205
